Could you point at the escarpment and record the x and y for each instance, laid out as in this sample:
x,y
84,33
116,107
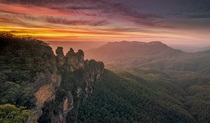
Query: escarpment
x,y
50,86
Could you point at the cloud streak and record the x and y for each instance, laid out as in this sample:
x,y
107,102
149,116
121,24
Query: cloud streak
x,y
34,10
92,22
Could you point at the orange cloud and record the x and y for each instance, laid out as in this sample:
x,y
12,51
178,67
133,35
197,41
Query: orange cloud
x,y
35,10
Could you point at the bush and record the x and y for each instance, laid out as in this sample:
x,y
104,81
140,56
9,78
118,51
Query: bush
x,y
12,114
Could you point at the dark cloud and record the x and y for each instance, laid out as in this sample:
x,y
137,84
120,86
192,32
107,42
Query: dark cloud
x,y
101,7
174,9
129,14
57,20
144,8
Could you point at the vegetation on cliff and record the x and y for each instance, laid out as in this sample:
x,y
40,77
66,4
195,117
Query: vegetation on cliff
x,y
21,58
26,64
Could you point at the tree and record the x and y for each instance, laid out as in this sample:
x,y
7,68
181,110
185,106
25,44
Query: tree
x,y
12,114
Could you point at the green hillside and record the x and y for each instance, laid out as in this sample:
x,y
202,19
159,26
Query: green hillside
x,y
125,97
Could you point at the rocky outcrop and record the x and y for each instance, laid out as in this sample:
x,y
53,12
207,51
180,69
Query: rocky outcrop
x,y
60,58
78,78
74,60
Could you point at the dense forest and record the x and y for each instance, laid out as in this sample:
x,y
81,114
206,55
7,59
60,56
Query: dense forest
x,y
147,96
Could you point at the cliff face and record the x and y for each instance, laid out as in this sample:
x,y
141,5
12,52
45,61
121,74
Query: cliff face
x,y
50,86
78,77
28,73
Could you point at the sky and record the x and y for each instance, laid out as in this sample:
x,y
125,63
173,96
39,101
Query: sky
x,y
170,21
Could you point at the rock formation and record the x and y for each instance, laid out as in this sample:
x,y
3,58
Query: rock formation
x,y
60,58
78,77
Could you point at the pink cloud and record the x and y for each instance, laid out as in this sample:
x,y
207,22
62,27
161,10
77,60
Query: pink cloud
x,y
35,10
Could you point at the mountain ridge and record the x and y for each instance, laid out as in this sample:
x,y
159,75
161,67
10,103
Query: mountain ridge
x,y
154,55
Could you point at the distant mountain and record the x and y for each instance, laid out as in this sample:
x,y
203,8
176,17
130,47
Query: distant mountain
x,y
153,55
118,51
187,48
205,48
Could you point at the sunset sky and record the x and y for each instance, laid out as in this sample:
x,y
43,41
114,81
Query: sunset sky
x,y
170,21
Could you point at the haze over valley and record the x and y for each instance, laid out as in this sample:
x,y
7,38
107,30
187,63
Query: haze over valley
x,y
87,45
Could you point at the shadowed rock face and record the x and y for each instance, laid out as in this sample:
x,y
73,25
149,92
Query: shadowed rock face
x,y
72,61
60,58
78,78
